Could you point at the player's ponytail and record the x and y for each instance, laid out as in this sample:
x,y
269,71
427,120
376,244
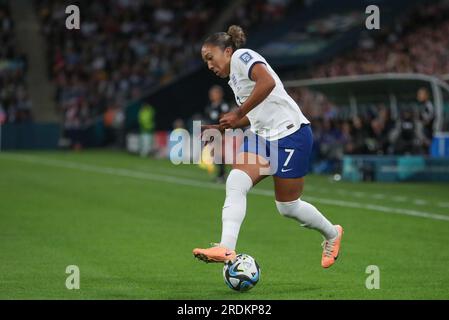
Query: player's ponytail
x,y
234,38
237,35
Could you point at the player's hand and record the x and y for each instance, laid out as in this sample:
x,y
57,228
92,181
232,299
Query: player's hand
x,y
211,126
229,120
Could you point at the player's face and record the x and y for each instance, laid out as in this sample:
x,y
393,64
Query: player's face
x,y
218,61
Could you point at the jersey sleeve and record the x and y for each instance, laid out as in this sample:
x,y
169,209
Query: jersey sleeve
x,y
244,60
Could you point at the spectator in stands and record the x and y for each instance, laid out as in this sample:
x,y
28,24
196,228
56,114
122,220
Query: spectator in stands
x,y
377,140
384,116
360,135
347,138
407,136
426,112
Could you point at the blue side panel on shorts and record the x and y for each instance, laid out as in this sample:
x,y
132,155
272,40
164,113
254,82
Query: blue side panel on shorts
x,y
293,152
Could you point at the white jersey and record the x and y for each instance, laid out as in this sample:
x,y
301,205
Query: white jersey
x,y
278,115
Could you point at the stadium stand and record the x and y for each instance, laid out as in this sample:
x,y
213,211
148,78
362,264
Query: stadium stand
x,y
123,49
128,48
417,44
15,105
120,53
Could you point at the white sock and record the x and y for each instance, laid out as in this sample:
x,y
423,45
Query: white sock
x,y
308,216
238,184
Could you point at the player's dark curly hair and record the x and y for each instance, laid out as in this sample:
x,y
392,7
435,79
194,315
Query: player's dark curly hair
x,y
234,38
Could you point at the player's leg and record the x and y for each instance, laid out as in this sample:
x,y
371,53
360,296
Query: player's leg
x,y
240,180
289,204
244,175
293,162
288,194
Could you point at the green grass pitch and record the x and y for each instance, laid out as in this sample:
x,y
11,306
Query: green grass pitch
x,y
130,225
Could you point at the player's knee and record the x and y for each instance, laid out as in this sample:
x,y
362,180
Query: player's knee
x,y
238,181
288,209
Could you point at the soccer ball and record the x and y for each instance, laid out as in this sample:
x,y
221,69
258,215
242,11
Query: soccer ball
x,y
242,274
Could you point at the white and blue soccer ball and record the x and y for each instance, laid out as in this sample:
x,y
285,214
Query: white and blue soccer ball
x,y
242,274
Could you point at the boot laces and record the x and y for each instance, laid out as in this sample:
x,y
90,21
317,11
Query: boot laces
x,y
328,247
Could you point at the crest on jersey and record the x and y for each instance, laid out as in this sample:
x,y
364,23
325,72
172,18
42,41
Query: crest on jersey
x,y
246,57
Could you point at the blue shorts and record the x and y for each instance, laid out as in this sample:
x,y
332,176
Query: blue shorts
x,y
293,152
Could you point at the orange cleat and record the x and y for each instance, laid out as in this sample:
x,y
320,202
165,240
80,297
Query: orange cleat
x,y
331,249
216,253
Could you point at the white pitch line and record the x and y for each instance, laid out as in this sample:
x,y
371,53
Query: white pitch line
x,y
208,185
379,196
357,205
178,171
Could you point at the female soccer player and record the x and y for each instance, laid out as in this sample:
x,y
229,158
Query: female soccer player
x,y
274,117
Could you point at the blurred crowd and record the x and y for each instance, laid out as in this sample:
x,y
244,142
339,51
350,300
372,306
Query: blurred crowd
x,y
260,12
418,42
124,49
15,105
372,130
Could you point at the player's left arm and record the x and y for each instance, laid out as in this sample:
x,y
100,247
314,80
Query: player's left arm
x,y
264,85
